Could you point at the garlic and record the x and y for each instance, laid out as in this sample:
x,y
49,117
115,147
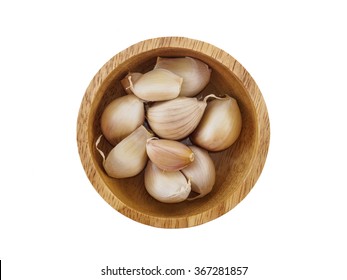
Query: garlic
x,y
129,157
168,187
156,85
195,73
135,76
169,155
121,117
220,126
201,172
176,119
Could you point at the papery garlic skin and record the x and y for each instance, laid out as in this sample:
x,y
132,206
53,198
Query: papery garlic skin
x,y
195,73
169,155
201,172
156,85
220,125
134,77
129,157
121,117
167,187
175,119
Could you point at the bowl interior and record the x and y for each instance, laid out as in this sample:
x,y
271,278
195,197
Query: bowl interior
x,y
232,165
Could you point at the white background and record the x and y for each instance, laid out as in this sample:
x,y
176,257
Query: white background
x,y
53,224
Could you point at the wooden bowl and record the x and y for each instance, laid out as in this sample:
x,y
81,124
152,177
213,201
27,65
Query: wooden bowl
x,y
237,168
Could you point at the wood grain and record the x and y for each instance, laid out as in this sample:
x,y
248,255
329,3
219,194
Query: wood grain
x,y
237,168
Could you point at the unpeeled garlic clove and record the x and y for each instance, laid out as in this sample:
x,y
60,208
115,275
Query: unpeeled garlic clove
x,y
135,76
121,117
129,157
168,187
220,125
201,172
176,119
169,155
156,85
195,73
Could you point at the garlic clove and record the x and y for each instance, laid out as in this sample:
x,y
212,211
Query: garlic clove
x,y
129,157
156,85
201,172
135,76
176,119
195,73
220,125
168,187
169,155
121,117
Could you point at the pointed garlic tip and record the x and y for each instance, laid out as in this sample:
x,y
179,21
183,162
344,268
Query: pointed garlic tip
x,y
175,119
167,187
125,82
121,117
220,126
195,73
201,172
156,85
129,157
99,150
169,155
214,96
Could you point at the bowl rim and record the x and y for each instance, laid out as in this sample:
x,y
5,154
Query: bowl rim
x,y
244,78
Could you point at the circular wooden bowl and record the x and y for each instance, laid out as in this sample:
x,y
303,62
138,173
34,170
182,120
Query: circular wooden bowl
x,y
237,168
